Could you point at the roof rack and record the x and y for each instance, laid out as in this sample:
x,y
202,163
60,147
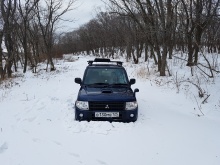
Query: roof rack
x,y
104,60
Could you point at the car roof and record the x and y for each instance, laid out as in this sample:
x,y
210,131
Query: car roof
x,y
104,62
104,66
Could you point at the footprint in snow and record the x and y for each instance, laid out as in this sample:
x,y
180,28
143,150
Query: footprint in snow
x,y
54,99
101,162
57,143
36,140
74,155
3,147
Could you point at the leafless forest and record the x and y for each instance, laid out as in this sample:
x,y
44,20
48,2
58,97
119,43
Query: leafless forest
x,y
153,28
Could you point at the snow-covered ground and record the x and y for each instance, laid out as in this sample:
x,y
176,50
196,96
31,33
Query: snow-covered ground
x,y
37,124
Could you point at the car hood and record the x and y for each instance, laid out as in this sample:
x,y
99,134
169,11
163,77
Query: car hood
x,y
106,94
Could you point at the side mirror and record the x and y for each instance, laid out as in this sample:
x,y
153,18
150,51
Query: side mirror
x,y
132,81
78,80
135,91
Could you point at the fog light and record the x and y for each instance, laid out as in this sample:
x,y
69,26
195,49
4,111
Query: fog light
x,y
80,115
132,115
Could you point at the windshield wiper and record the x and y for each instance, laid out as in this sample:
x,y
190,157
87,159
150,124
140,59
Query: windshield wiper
x,y
99,84
108,85
119,84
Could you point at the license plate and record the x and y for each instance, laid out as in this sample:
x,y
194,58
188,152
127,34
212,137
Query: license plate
x,y
107,114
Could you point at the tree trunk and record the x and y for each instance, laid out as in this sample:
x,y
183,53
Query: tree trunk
x,y
146,53
190,51
50,61
152,55
163,62
128,50
1,54
198,36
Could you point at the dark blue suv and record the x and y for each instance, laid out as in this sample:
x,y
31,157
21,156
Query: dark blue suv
x,y
105,93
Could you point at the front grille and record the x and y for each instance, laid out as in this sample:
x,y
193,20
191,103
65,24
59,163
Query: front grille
x,y
119,106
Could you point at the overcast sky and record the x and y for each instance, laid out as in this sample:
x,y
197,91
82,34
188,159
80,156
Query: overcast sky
x,y
85,11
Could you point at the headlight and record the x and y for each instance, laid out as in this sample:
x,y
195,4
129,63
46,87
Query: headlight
x,y
131,105
84,105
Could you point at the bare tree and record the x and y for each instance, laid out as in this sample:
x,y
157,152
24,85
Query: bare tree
x,y
165,17
25,10
8,9
154,18
197,17
1,39
48,15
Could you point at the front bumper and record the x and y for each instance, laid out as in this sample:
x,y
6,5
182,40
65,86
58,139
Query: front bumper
x,y
124,115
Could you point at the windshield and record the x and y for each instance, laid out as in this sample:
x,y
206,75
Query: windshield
x,y
105,76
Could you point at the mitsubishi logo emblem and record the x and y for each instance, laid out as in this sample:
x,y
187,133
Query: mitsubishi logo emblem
x,y
107,107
